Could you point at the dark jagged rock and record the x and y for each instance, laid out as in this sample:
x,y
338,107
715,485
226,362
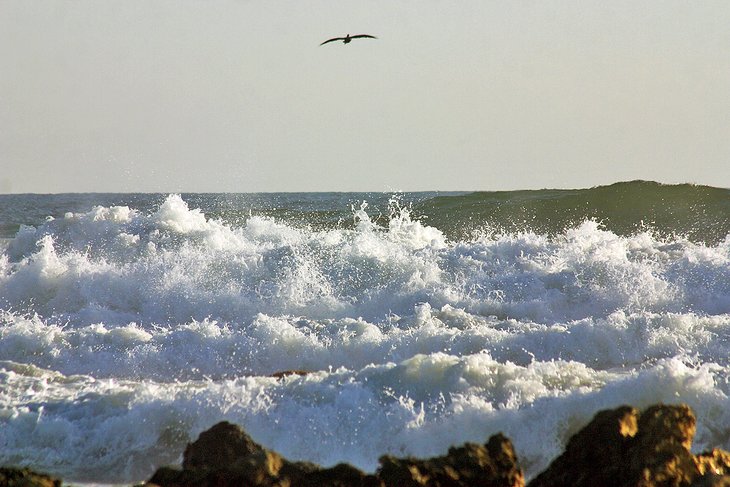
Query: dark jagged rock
x,y
24,477
619,447
341,475
219,447
287,373
226,456
625,448
493,464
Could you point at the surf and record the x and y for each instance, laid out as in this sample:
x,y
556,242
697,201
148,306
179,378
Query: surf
x,y
127,329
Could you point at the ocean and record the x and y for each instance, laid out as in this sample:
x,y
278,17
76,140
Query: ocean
x,y
130,323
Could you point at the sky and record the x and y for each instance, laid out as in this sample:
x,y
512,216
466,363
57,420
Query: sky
x,y
238,96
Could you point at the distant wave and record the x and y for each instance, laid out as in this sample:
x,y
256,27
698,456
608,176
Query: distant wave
x,y
699,213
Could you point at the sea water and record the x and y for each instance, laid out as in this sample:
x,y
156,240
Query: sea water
x,y
129,324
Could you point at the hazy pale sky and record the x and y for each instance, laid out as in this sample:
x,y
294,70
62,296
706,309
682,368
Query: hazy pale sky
x,y
237,96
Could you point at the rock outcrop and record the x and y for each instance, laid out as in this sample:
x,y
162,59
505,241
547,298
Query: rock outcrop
x,y
24,477
226,456
494,463
621,447
624,448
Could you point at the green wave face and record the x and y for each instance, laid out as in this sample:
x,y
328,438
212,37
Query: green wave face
x,y
698,213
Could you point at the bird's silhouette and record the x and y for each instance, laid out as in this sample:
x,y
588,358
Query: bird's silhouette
x,y
348,38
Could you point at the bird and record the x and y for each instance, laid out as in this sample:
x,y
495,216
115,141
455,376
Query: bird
x,y
348,38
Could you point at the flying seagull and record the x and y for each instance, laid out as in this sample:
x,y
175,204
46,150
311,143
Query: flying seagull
x,y
347,38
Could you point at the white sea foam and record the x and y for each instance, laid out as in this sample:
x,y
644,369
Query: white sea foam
x,y
123,335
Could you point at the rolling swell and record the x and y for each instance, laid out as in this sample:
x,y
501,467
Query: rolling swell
x,y
698,213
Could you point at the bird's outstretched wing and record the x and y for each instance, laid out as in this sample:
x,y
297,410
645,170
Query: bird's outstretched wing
x,y
332,40
362,35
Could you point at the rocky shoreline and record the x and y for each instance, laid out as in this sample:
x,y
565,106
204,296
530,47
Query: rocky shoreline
x,y
620,447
